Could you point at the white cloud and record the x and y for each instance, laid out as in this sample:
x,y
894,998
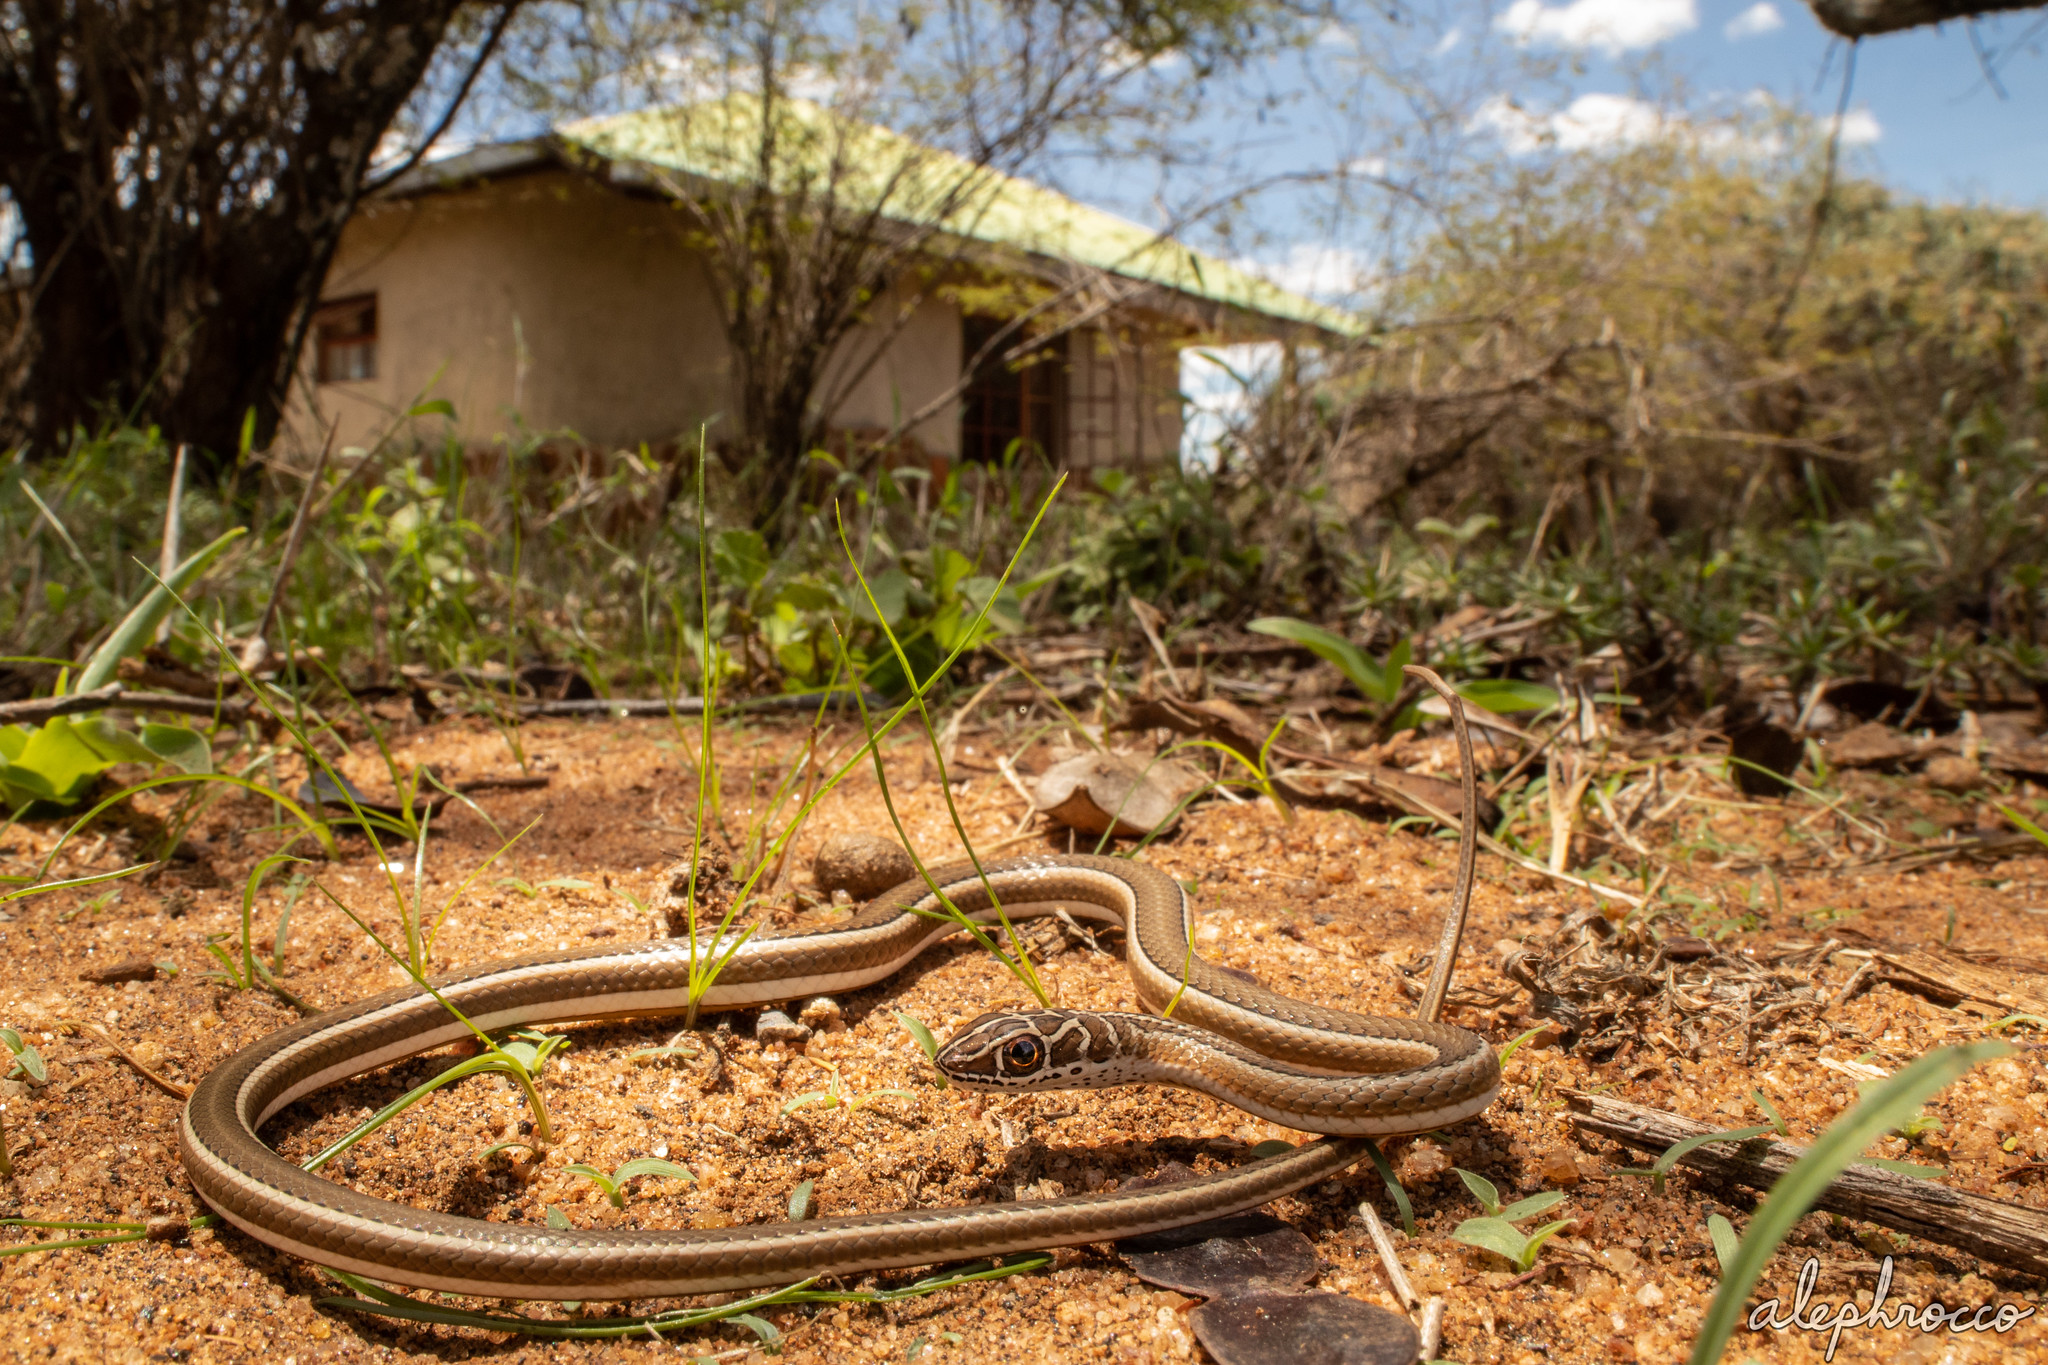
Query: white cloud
x,y
1366,167
1318,272
1757,20
1614,26
1447,42
1860,128
1590,122
1221,385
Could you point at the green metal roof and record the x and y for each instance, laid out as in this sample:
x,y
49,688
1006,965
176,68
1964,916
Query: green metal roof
x,y
720,141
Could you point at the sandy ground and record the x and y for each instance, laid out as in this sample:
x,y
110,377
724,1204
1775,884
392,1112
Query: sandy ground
x,y
1330,908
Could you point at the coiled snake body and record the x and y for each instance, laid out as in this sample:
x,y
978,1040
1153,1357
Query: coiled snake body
x,y
1274,1056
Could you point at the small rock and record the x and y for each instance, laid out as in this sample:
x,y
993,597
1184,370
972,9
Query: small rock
x,y
822,1014
776,1027
127,969
1558,1168
1244,1253
1423,1160
1649,1296
863,865
1951,772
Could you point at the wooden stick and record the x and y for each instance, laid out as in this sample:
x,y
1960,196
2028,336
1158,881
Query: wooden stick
x,y
114,697
2010,1234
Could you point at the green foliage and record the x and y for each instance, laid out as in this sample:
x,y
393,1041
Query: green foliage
x,y
1489,1199
1504,1239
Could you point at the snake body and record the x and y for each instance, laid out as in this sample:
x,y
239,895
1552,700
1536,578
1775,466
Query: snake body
x,y
1277,1057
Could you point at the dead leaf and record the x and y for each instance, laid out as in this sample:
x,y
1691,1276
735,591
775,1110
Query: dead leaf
x,y
1139,796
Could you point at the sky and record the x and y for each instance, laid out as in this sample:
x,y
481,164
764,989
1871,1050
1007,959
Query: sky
x,y
1923,112
1923,116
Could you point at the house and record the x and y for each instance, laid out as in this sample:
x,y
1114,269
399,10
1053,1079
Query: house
x,y
550,284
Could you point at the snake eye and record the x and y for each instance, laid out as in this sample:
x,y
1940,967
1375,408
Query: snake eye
x,y
1023,1054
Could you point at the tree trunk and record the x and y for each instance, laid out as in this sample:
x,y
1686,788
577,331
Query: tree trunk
x,y
183,172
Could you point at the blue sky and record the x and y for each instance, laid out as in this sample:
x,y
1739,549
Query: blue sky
x,y
1940,128
1517,76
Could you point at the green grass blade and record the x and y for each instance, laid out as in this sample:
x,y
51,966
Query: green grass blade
x,y
1884,1109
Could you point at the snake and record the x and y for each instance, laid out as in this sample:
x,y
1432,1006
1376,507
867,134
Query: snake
x,y
1352,1077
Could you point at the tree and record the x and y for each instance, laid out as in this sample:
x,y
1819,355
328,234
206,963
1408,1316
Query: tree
x,y
178,175
838,161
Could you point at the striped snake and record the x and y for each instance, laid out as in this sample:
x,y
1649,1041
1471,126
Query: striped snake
x,y
1294,1063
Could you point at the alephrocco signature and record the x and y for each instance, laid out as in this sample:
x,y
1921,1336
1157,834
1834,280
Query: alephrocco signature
x,y
1817,1317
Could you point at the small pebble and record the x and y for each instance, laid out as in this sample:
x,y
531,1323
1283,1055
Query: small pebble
x,y
822,1014
776,1027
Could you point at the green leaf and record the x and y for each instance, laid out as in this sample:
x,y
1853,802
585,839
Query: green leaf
x,y
56,595
1270,1147
433,407
56,764
557,1219
800,1201
914,1026
1496,1235
771,1337
1482,1189
1725,1241
180,746
141,621
1534,1245
740,556
2025,824
652,1165
1890,1105
1533,1205
1332,648
1672,1154
111,742
1506,696
487,1153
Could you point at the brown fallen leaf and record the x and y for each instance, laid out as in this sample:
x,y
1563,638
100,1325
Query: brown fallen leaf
x,y
1303,1329
1245,1253
1139,796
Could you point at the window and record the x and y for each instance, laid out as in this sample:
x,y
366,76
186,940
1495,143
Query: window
x,y
1007,403
345,340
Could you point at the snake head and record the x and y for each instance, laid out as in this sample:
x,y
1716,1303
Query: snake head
x,y
1039,1050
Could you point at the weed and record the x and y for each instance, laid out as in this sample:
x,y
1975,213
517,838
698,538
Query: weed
x,y
614,1184
833,1096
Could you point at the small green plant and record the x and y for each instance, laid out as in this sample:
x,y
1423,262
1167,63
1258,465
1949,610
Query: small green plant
x,y
1504,1239
833,1096
1726,1243
24,1061
614,1185
520,1054
1489,1198
915,1027
1670,1159
1877,1113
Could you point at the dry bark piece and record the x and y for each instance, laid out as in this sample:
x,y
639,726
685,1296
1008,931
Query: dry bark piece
x,y
1869,745
1246,1253
1303,1329
862,865
2010,1234
127,969
1090,792
714,889
1954,976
